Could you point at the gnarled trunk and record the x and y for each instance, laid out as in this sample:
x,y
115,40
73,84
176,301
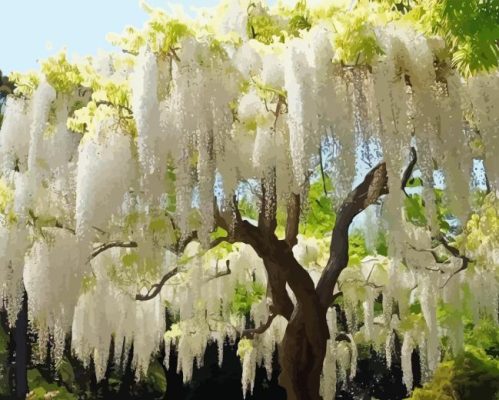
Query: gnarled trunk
x,y
303,348
302,355
304,345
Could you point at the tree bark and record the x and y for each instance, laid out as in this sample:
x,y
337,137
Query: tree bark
x,y
302,354
302,351
304,345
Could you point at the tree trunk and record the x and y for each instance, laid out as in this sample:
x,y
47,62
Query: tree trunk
x,y
302,355
304,345
302,351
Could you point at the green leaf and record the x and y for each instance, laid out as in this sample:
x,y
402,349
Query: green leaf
x,y
156,378
244,297
415,210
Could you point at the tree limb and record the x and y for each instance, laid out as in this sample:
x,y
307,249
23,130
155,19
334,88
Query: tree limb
x,y
293,219
375,184
451,249
220,274
105,246
267,220
156,288
456,253
235,207
250,333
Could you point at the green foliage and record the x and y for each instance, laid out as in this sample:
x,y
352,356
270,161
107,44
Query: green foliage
x,y
444,214
164,34
110,99
470,29
381,246
415,319
483,335
244,346
61,75
244,297
160,225
67,374
356,248
355,41
40,389
319,217
156,379
415,212
131,40
134,268
470,376
267,28
264,28
6,198
248,208
219,233
482,230
25,84
161,33
448,314
6,87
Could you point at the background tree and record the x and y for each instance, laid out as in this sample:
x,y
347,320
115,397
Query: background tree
x,y
184,171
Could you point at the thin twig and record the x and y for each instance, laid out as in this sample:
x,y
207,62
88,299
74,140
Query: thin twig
x,y
220,274
105,246
156,288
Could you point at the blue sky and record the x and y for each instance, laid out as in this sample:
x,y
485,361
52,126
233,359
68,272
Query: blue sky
x,y
32,30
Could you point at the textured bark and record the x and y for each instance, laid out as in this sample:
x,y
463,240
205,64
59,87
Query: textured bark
x,y
303,348
374,185
302,351
276,291
304,345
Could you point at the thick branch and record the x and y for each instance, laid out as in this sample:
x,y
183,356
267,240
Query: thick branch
x,y
293,219
281,303
374,185
267,220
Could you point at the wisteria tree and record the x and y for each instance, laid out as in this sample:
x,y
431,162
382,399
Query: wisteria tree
x,y
215,167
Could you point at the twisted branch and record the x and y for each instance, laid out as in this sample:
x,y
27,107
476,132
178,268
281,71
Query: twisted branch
x,y
250,333
375,184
